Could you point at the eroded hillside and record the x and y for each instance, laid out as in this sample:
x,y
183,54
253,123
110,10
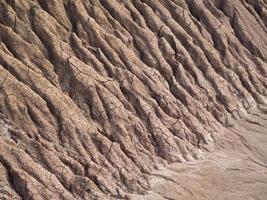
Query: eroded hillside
x,y
94,93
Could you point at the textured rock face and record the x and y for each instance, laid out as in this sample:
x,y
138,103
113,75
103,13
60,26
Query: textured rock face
x,y
94,93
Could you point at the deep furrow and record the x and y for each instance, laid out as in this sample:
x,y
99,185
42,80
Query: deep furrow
x,y
191,54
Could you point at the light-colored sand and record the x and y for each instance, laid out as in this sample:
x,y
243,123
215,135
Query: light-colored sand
x,y
237,171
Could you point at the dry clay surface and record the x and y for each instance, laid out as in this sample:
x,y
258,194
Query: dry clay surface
x,y
238,170
95,94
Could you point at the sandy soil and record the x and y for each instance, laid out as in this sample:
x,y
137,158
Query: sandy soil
x,y
237,171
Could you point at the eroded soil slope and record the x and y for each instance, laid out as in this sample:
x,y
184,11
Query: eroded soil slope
x,y
93,93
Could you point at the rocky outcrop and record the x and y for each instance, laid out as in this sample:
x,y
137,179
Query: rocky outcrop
x,y
95,93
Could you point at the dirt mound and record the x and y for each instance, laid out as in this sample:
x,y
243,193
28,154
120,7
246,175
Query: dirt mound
x,y
95,93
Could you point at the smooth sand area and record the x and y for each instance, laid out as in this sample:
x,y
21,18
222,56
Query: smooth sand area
x,y
238,170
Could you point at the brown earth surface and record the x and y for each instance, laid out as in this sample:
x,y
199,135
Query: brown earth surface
x,y
236,171
97,94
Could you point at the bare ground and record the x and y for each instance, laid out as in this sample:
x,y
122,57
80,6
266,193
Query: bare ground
x,y
95,93
237,171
